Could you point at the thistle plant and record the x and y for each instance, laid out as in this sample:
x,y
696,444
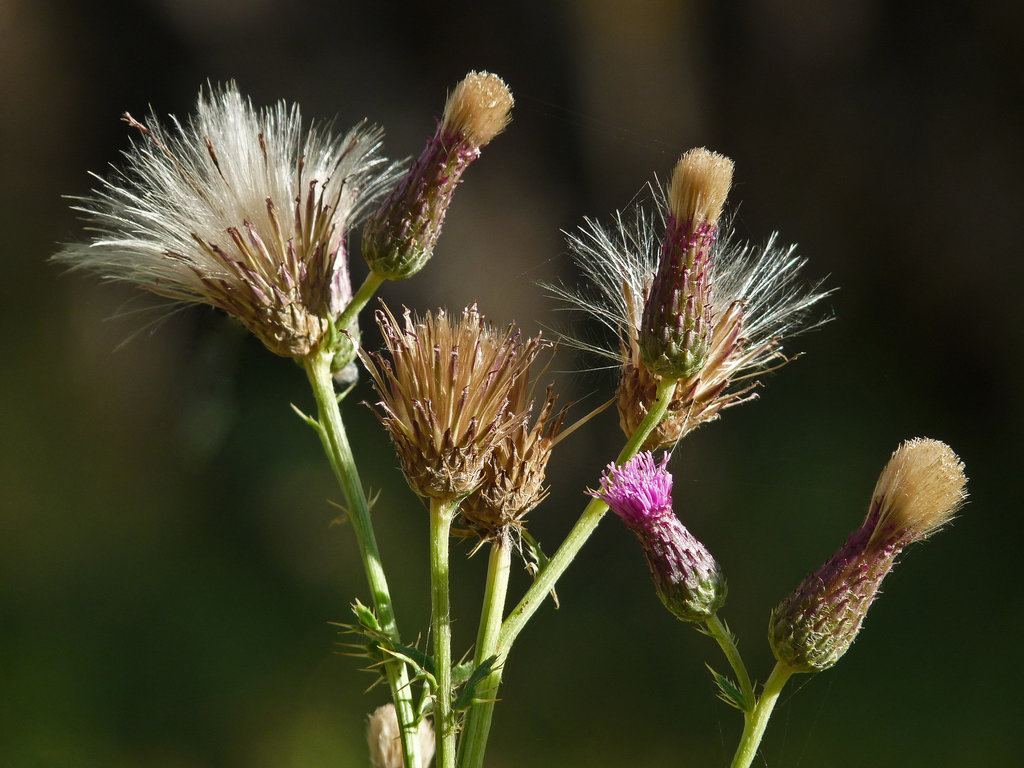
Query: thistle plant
x,y
242,209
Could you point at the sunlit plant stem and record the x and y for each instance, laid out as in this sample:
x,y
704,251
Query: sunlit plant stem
x,y
339,453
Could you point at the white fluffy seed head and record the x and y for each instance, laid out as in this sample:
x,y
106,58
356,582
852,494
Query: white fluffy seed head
x,y
237,208
384,738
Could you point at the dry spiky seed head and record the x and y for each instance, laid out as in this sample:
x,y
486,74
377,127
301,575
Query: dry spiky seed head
x,y
384,738
445,395
514,474
399,238
676,329
699,398
918,491
758,297
479,108
240,209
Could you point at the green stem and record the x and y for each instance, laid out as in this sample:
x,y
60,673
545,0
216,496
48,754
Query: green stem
x,y
753,729
362,297
732,653
339,453
473,741
441,513
583,529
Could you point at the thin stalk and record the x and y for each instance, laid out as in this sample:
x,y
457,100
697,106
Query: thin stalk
x,y
441,513
732,653
583,529
473,741
359,300
339,453
478,720
753,729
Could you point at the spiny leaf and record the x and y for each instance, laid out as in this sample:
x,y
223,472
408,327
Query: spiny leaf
x,y
729,692
467,697
537,561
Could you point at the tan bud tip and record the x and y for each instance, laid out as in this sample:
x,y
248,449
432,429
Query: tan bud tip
x,y
480,107
919,490
700,185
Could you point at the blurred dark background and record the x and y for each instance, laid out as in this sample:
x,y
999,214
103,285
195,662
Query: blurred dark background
x,y
167,562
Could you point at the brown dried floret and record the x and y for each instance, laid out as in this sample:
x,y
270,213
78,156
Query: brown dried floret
x,y
514,474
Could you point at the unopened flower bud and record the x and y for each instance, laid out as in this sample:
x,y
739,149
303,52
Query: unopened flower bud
x,y
916,494
385,740
688,579
399,238
676,329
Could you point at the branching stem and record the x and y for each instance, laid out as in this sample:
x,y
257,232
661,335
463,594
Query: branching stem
x,y
754,725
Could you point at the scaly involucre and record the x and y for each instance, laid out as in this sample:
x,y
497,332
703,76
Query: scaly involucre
x,y
446,395
239,209
757,297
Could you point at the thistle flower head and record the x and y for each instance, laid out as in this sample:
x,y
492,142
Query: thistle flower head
x,y
688,580
384,738
676,327
757,297
918,491
240,209
513,476
446,395
399,238
639,491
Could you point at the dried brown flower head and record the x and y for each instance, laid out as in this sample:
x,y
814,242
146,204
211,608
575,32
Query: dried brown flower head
x,y
446,395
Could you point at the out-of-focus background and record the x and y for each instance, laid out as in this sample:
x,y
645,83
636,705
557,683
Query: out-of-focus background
x,y
168,567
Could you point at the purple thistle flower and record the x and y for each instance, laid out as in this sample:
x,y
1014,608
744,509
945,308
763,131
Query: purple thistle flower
x,y
688,579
